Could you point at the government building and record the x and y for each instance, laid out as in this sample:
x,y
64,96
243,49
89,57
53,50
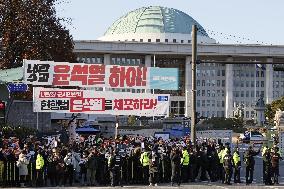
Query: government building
x,y
228,75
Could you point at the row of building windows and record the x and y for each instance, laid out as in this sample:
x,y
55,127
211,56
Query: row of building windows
x,y
209,114
238,83
209,65
210,103
208,73
210,93
278,74
126,61
277,94
208,83
159,40
251,112
276,84
248,93
244,73
92,60
177,111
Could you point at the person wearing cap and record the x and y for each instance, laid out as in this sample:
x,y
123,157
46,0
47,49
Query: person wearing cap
x,y
237,166
249,163
275,158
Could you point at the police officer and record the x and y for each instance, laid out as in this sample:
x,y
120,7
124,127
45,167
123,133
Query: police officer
x,y
114,164
184,164
39,168
144,160
237,166
227,164
267,167
221,154
249,162
275,158
175,163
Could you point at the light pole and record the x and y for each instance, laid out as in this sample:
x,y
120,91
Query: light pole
x,y
193,74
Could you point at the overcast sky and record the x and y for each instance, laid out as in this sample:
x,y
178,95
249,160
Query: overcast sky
x,y
256,20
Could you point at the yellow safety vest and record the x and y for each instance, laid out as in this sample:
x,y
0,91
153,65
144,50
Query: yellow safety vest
x,y
144,159
222,154
185,157
236,158
39,162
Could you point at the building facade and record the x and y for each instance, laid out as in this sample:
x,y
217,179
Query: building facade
x,y
227,76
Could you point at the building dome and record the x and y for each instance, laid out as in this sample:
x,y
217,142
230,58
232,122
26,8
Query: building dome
x,y
155,24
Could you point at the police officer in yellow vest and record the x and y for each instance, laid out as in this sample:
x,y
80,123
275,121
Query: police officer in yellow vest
x,y
185,165
221,154
237,166
39,169
145,161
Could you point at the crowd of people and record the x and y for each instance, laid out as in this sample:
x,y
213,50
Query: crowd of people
x,y
125,160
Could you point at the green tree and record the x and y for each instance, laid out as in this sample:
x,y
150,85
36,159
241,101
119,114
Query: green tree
x,y
30,29
220,123
273,107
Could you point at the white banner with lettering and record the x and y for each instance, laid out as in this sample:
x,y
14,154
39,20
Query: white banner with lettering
x,y
99,102
41,73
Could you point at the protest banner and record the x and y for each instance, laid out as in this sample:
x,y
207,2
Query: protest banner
x,y
99,102
48,73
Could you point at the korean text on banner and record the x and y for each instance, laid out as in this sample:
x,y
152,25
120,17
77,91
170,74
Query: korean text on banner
x,y
99,102
98,75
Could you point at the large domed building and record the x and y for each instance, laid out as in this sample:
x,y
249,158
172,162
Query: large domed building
x,y
155,24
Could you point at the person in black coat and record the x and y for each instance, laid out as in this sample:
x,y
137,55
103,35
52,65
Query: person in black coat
x,y
250,162
175,163
267,167
153,168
